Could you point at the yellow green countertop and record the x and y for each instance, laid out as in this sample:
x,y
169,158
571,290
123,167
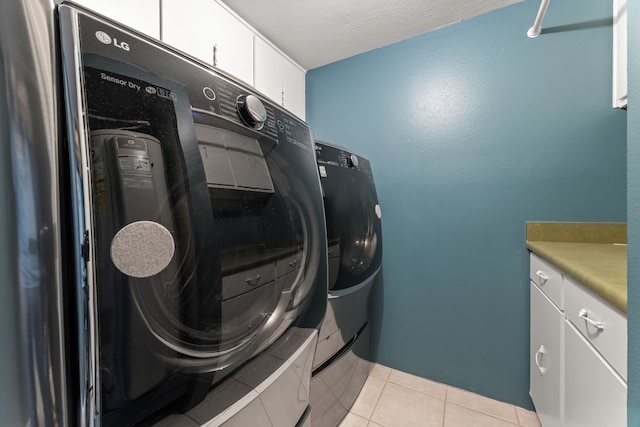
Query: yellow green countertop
x,y
594,254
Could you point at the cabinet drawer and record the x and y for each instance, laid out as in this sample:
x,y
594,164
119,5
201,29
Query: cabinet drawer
x,y
548,278
247,280
595,396
604,326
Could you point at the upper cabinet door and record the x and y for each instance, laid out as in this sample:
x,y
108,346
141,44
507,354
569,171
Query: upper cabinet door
x,y
206,30
141,15
619,53
279,78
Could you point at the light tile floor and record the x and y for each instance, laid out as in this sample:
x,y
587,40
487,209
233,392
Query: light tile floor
x,y
392,398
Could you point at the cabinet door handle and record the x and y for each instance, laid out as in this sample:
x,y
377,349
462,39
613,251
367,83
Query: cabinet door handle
x,y
215,55
543,277
584,313
538,357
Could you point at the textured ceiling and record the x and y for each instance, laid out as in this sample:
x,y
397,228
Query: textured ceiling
x,y
318,32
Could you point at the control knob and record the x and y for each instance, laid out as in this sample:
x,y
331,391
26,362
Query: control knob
x,y
251,111
352,161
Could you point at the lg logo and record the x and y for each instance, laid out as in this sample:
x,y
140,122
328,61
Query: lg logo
x,y
106,39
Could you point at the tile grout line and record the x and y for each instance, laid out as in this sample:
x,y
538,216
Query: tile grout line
x,y
444,410
413,390
375,406
517,416
487,415
388,375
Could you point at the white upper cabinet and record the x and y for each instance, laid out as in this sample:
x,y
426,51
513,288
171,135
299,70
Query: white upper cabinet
x,y
279,78
207,31
619,53
141,15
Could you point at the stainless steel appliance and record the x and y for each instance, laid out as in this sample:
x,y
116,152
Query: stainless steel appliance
x,y
354,229
164,231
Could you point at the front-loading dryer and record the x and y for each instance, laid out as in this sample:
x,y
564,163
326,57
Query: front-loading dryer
x,y
199,228
354,232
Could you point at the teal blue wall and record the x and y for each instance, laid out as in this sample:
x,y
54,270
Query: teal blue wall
x,y
472,130
633,212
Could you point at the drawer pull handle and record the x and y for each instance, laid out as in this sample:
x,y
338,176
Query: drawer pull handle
x,y
543,277
584,313
253,281
541,351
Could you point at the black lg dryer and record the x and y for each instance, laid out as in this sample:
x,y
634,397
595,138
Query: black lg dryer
x,y
355,255
199,230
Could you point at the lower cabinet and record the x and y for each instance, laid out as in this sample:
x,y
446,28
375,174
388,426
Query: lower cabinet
x,y
595,395
577,355
546,358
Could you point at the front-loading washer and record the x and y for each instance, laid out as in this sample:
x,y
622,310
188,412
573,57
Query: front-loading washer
x,y
342,361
